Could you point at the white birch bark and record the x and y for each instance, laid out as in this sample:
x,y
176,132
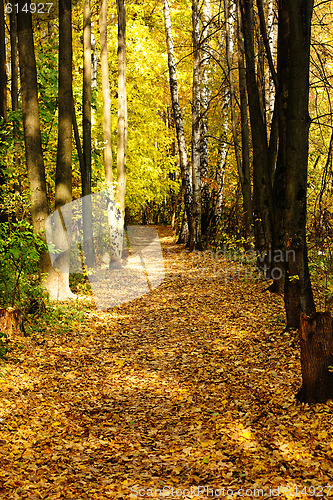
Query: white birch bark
x,y
183,160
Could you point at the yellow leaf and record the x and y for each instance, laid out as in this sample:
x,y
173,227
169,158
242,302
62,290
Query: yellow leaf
x,y
247,434
120,362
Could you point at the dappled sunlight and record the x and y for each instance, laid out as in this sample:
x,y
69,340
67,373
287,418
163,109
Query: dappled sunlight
x,y
187,385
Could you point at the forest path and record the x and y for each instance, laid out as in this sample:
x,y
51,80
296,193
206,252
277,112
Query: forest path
x,y
191,385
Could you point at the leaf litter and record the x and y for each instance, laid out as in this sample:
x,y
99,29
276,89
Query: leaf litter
x,y
192,385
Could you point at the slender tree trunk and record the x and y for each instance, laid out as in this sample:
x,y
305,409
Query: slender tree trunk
x,y
122,105
245,133
63,189
106,94
183,160
116,218
279,182
32,135
228,20
196,181
86,174
204,64
3,103
271,41
14,91
298,292
77,140
93,58
3,73
262,189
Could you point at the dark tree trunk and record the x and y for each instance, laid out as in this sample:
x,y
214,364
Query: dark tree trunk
x,y
14,91
316,358
3,93
279,182
32,135
262,191
3,75
298,291
245,164
63,187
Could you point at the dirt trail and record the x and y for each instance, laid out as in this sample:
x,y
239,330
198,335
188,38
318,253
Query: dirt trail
x,y
189,386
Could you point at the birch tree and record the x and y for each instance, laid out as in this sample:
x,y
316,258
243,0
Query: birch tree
x,y
183,160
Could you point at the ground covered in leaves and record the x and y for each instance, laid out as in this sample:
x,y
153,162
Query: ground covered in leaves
x,y
187,392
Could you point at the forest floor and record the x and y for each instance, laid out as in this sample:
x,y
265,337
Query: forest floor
x,y
186,392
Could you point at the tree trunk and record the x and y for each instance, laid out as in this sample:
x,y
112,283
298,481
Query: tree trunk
x,y
183,160
11,321
316,337
3,103
63,186
32,135
106,94
116,219
242,164
3,74
88,246
245,133
298,291
271,43
14,90
279,181
204,62
196,180
262,191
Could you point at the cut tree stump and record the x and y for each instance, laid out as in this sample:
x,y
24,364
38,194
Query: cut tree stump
x,y
316,338
11,321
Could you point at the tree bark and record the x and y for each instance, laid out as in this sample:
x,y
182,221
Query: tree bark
x,y
316,337
63,188
196,180
3,73
245,134
11,321
298,291
88,246
262,190
183,160
14,90
32,135
106,94
86,117
122,105
204,105
279,181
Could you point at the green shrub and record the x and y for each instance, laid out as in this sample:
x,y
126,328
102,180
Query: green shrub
x,y
20,250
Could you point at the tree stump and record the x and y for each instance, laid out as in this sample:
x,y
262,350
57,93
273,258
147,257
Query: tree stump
x,y
316,338
11,321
